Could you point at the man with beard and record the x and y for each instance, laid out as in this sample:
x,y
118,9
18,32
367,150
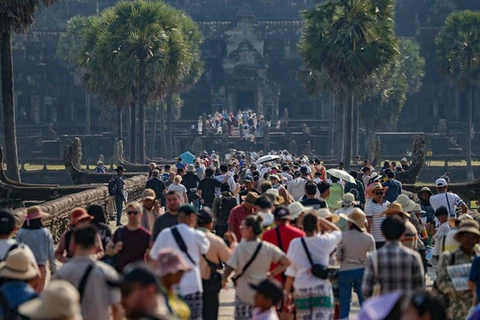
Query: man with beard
x,y
169,218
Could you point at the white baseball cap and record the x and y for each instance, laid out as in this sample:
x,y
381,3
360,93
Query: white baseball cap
x,y
441,183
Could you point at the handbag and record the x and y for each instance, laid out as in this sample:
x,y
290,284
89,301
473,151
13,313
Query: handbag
x,y
247,265
318,270
214,284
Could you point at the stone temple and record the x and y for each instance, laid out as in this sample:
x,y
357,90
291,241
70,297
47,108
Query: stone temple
x,y
251,62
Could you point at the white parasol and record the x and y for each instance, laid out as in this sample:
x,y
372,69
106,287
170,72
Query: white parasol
x,y
340,174
267,158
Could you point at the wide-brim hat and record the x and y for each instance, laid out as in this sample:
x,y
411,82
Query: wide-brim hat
x,y
20,265
357,217
469,226
394,208
274,176
120,169
326,214
35,212
377,186
78,214
170,261
348,199
250,198
295,209
60,300
278,198
407,204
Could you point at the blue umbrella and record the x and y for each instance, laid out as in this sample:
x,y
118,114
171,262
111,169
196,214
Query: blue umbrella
x,y
187,157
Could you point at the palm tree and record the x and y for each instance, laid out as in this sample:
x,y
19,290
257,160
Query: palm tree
x,y
349,41
458,59
15,16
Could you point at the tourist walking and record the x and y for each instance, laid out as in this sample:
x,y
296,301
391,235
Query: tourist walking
x,y
393,266
131,242
410,237
66,247
313,295
97,298
59,301
352,254
191,181
217,253
19,275
206,188
142,294
251,262
180,188
424,197
441,233
324,189
169,218
150,210
192,243
99,221
225,176
460,299
356,188
394,187
222,206
446,199
157,185
347,204
373,211
240,212
296,187
249,187
336,194
39,239
116,188
310,199
281,236
171,267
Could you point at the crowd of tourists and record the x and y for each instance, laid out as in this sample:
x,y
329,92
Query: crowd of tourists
x,y
294,240
249,124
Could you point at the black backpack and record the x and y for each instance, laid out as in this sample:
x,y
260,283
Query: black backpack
x,y
226,205
112,186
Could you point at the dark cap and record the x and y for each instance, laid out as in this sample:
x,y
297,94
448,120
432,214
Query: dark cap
x,y
205,216
7,221
248,179
323,186
120,169
188,209
139,273
281,213
271,289
298,174
303,170
365,169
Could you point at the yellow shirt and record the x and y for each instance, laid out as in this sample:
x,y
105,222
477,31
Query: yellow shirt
x,y
178,306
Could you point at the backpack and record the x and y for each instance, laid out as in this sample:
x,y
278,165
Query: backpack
x,y
9,312
68,238
112,186
226,205
12,247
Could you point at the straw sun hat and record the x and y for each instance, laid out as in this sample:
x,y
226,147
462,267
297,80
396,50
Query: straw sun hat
x,y
357,217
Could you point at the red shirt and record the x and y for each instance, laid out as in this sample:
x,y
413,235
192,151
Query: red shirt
x,y
236,216
135,246
287,234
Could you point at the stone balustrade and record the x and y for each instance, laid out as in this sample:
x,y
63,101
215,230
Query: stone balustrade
x,y
59,209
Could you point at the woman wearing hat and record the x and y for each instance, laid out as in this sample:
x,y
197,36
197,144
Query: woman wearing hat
x,y
39,239
468,235
348,203
66,246
424,196
19,275
352,254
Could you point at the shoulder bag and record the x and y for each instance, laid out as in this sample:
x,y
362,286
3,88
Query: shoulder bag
x,y
214,284
318,270
181,244
247,265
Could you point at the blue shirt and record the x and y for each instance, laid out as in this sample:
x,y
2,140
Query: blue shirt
x,y
475,275
17,293
394,189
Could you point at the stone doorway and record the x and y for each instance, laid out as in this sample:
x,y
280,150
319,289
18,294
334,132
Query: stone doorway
x,y
245,100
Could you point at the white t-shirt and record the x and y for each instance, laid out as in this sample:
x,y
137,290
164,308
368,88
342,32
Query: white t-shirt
x,y
180,188
320,248
230,181
197,244
449,200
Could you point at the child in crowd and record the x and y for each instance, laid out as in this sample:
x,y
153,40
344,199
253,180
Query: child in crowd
x,y
269,294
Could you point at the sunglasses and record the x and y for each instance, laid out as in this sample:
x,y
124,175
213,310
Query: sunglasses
x,y
129,212
379,193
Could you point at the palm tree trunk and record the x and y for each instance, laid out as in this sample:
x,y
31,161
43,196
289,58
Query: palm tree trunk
x,y
468,149
341,119
119,124
154,131
349,130
170,126
355,130
332,125
9,127
141,110
163,147
133,133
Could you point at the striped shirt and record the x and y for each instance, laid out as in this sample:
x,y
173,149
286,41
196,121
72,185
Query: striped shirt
x,y
373,210
352,250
